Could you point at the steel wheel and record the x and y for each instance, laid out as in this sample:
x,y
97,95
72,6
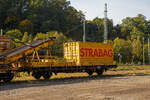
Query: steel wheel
x,y
90,73
36,75
100,72
47,75
9,77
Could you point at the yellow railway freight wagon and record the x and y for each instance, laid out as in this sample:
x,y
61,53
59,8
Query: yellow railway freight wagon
x,y
86,57
89,53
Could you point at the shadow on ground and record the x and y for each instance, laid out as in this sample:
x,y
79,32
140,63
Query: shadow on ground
x,y
58,81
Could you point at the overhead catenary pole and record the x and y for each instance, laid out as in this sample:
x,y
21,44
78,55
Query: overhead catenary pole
x,y
84,30
105,25
143,53
148,52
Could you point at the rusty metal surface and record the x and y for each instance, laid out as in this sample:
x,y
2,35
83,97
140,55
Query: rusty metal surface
x,y
5,44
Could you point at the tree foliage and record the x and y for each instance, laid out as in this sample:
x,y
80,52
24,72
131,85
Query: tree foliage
x,y
14,34
34,16
122,50
27,20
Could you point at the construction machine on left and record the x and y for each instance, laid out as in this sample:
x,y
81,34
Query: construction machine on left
x,y
6,73
11,58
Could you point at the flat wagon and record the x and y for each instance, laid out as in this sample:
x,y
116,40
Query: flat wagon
x,y
87,57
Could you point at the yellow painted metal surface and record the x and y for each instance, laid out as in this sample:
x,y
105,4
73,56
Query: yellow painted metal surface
x,y
3,70
49,63
30,50
75,54
88,53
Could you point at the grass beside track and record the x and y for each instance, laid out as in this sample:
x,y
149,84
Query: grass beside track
x,y
132,67
120,70
24,76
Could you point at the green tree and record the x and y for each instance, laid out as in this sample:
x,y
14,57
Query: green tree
x,y
95,30
35,16
15,34
11,12
122,50
136,50
134,27
25,37
26,26
57,48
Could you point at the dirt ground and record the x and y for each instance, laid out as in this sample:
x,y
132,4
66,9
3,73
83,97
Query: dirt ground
x,y
106,87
